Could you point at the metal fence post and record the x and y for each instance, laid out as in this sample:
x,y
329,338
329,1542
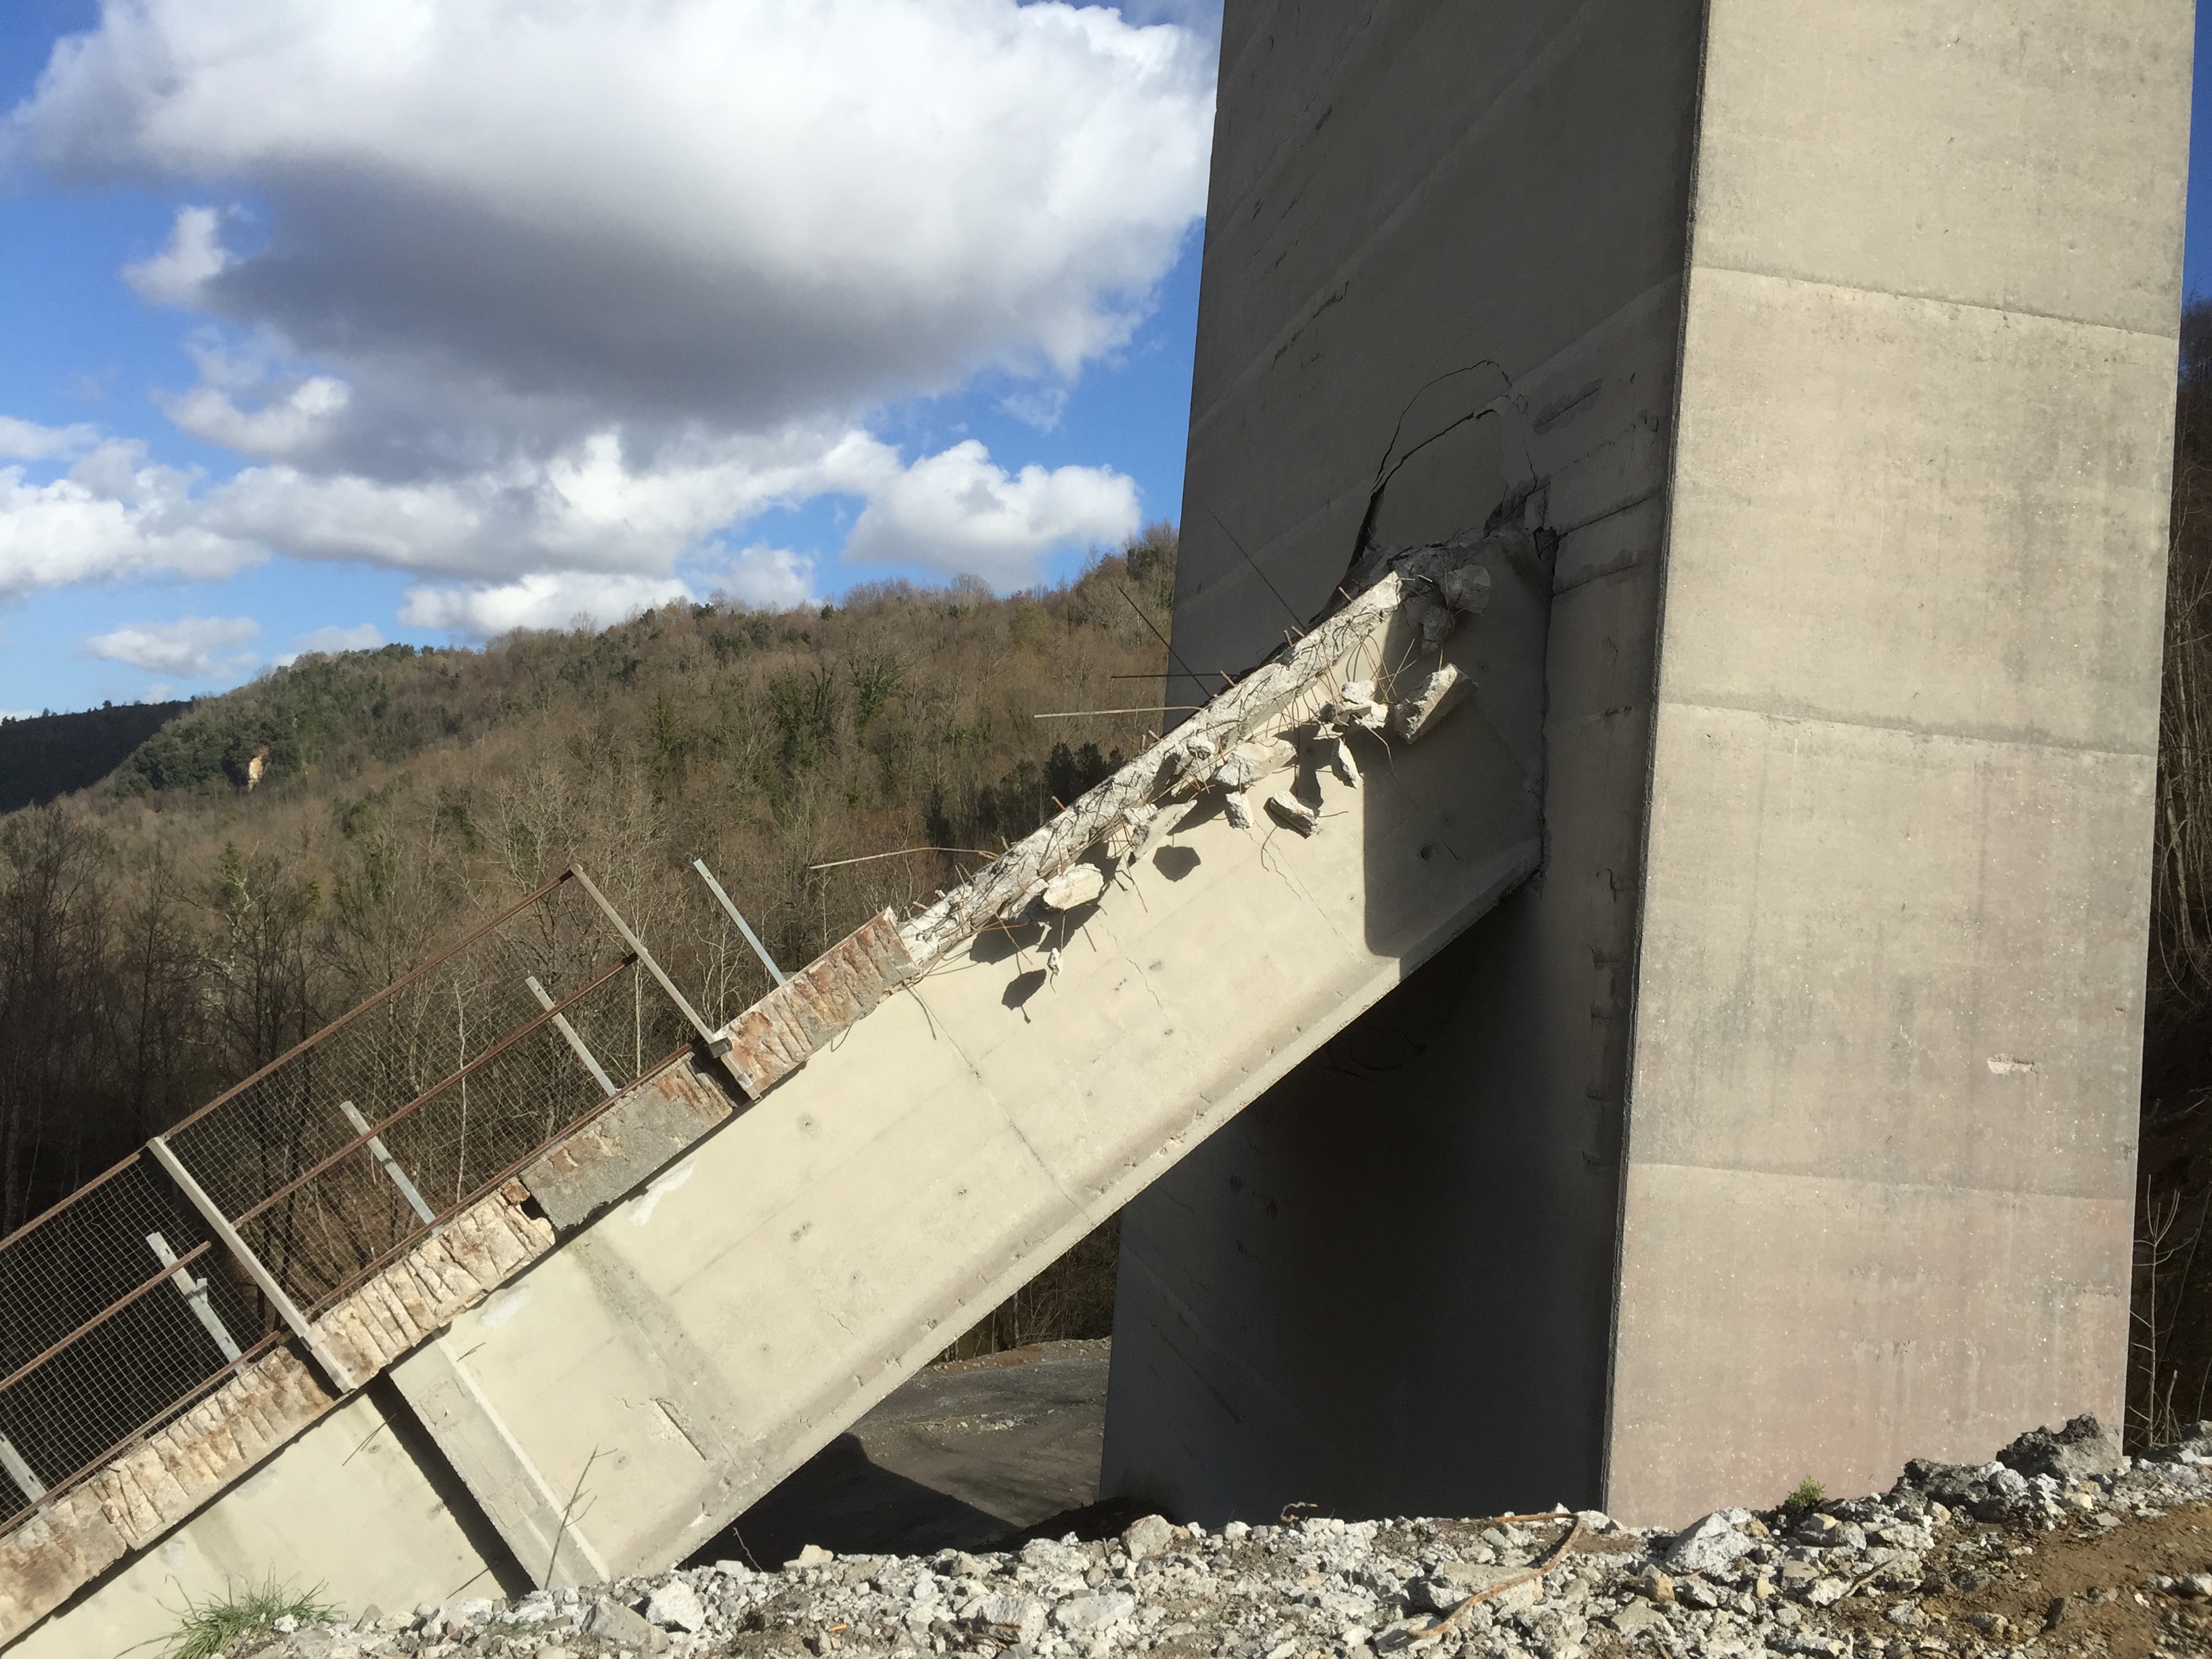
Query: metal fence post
x,y
561,1024
194,1291
717,1044
743,927
331,1366
19,1472
389,1164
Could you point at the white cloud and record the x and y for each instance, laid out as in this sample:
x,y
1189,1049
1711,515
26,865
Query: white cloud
x,y
25,440
762,578
592,506
111,516
957,513
618,525
1041,408
541,599
546,216
544,300
193,257
759,577
190,648
330,641
361,636
293,420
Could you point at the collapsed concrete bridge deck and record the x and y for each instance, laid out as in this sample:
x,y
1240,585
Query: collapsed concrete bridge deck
x,y
594,1370
1834,345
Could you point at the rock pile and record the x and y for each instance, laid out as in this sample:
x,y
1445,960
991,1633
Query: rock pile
x,y
2059,1545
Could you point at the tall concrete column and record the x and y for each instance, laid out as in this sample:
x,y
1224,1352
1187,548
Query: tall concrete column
x,y
1784,1123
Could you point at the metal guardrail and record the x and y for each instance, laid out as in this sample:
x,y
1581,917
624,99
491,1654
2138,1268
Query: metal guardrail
x,y
143,1290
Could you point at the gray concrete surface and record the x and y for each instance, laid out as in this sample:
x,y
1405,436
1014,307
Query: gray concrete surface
x,y
361,1505
1387,1288
1890,994
1803,1078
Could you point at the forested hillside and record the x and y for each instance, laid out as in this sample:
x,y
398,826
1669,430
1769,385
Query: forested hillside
x,y
264,862
45,755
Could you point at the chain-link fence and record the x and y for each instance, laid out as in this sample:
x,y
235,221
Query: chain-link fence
x,y
129,1302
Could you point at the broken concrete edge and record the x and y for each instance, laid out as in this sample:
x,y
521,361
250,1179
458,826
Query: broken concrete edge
x,y
775,1036
1288,691
1232,742
639,1132
166,1477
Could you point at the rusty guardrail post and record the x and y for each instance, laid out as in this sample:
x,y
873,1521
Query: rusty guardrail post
x,y
743,927
331,1365
195,1293
717,1044
561,1024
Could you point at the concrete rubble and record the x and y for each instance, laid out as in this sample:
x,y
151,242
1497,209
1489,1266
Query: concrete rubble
x,y
2046,1549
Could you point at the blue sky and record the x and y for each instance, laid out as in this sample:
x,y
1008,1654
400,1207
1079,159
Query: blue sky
x,y
320,333
322,326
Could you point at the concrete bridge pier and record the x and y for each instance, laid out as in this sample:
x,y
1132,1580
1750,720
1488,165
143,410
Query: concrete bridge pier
x,y
1786,1124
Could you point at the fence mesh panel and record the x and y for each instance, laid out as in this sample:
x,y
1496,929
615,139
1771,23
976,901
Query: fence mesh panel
x,y
459,1074
99,1340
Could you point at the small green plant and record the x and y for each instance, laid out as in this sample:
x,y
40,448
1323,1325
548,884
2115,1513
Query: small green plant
x,y
212,1629
1805,1499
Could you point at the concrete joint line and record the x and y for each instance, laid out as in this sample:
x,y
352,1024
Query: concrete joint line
x,y
513,1493
1908,296
1964,739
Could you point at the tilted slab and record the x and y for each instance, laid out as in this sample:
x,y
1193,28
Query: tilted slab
x,y
956,1100
672,1362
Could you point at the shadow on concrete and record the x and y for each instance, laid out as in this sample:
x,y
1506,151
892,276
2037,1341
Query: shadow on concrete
x,y
963,1457
844,1500
1176,862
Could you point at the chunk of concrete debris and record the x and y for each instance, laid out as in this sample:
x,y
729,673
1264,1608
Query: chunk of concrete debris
x,y
1341,762
1432,621
675,1606
1238,809
1453,1582
1357,705
812,1555
1095,1611
2082,1450
1248,763
1132,831
615,1623
1697,1593
1436,699
1467,589
1294,813
1713,1545
1012,1619
1146,1537
1078,884
1637,1617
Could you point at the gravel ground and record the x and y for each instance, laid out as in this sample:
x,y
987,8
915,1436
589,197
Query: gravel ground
x,y
2059,1546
